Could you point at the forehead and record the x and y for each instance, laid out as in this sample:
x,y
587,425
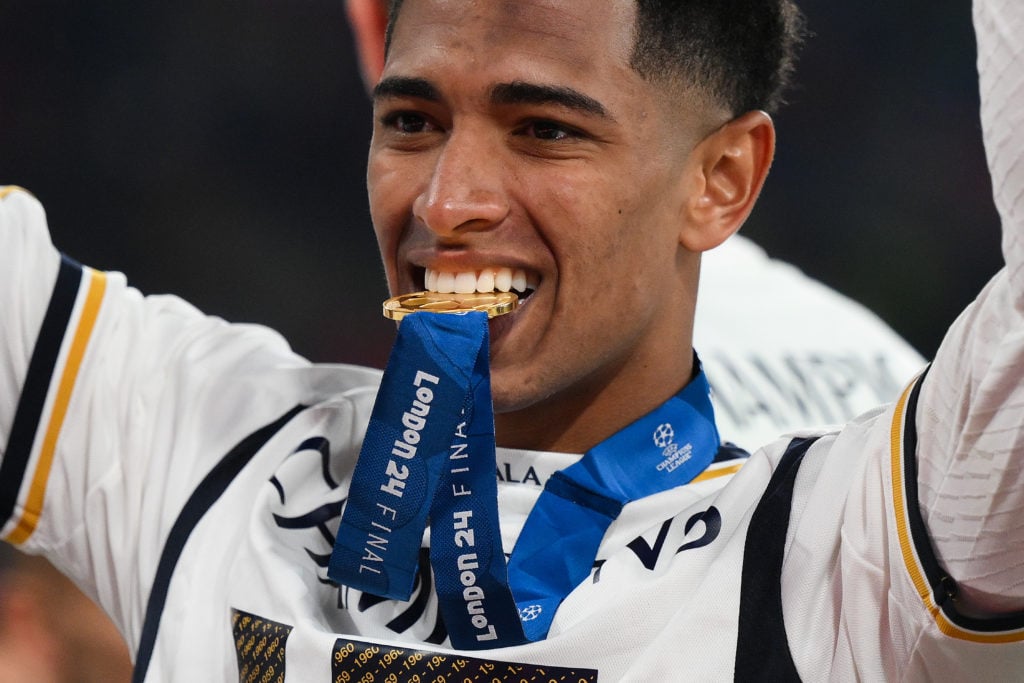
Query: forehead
x,y
515,39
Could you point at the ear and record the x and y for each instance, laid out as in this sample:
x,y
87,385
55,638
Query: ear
x,y
369,22
732,164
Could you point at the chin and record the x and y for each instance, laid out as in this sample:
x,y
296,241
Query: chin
x,y
506,401
517,389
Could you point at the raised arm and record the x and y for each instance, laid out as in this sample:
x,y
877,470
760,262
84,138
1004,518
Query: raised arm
x,y
1000,26
971,415
113,406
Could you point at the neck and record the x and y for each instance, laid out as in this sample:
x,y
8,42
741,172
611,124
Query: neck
x,y
575,420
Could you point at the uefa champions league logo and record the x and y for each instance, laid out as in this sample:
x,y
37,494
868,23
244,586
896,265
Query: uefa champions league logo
x,y
674,455
530,612
663,435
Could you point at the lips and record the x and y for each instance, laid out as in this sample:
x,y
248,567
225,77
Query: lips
x,y
493,279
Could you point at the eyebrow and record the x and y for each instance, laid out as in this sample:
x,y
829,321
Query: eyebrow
x,y
516,92
403,86
519,92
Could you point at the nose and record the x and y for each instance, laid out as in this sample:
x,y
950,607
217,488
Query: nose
x,y
467,188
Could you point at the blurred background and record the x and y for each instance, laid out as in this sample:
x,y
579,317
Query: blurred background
x,y
216,150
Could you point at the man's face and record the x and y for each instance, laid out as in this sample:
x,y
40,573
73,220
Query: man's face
x,y
512,137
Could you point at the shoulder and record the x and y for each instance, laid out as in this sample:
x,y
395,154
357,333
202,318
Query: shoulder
x,y
22,224
20,210
742,284
13,197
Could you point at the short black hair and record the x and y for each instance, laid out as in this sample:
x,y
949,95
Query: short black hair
x,y
739,53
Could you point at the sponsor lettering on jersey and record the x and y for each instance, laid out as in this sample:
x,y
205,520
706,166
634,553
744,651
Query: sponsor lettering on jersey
x,y
649,554
513,473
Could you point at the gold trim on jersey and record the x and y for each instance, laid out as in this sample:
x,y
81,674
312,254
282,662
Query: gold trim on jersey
x,y
11,189
911,559
722,471
33,506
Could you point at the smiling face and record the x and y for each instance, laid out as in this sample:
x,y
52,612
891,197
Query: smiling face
x,y
512,138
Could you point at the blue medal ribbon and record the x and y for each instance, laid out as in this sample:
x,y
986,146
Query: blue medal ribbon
x,y
556,549
429,451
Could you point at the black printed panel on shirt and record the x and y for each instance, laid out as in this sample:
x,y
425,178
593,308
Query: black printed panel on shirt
x,y
356,661
259,646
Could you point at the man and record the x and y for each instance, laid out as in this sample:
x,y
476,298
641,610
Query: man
x,y
558,139
763,386
845,360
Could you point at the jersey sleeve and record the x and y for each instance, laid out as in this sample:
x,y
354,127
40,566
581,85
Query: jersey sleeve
x,y
968,421
113,407
28,267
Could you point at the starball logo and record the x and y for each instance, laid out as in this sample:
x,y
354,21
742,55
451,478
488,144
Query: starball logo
x,y
674,455
530,612
663,435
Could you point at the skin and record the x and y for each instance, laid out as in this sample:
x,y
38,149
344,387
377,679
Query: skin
x,y
516,134
49,631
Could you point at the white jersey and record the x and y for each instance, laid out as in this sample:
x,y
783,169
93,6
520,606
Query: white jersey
x,y
768,380
191,474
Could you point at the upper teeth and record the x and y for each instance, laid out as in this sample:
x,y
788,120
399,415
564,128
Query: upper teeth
x,y
486,280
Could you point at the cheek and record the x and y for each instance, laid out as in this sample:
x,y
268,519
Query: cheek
x,y
382,183
582,215
390,199
636,254
390,195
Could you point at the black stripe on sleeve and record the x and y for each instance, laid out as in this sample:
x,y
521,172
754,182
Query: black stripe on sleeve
x,y
37,384
762,648
943,586
201,500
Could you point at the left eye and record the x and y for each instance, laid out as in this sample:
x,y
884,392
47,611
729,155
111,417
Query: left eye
x,y
549,130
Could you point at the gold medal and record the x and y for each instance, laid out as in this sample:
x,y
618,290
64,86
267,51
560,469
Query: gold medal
x,y
491,303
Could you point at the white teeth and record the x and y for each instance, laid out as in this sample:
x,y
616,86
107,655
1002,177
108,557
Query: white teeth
x,y
465,283
519,280
487,280
485,283
503,279
446,283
